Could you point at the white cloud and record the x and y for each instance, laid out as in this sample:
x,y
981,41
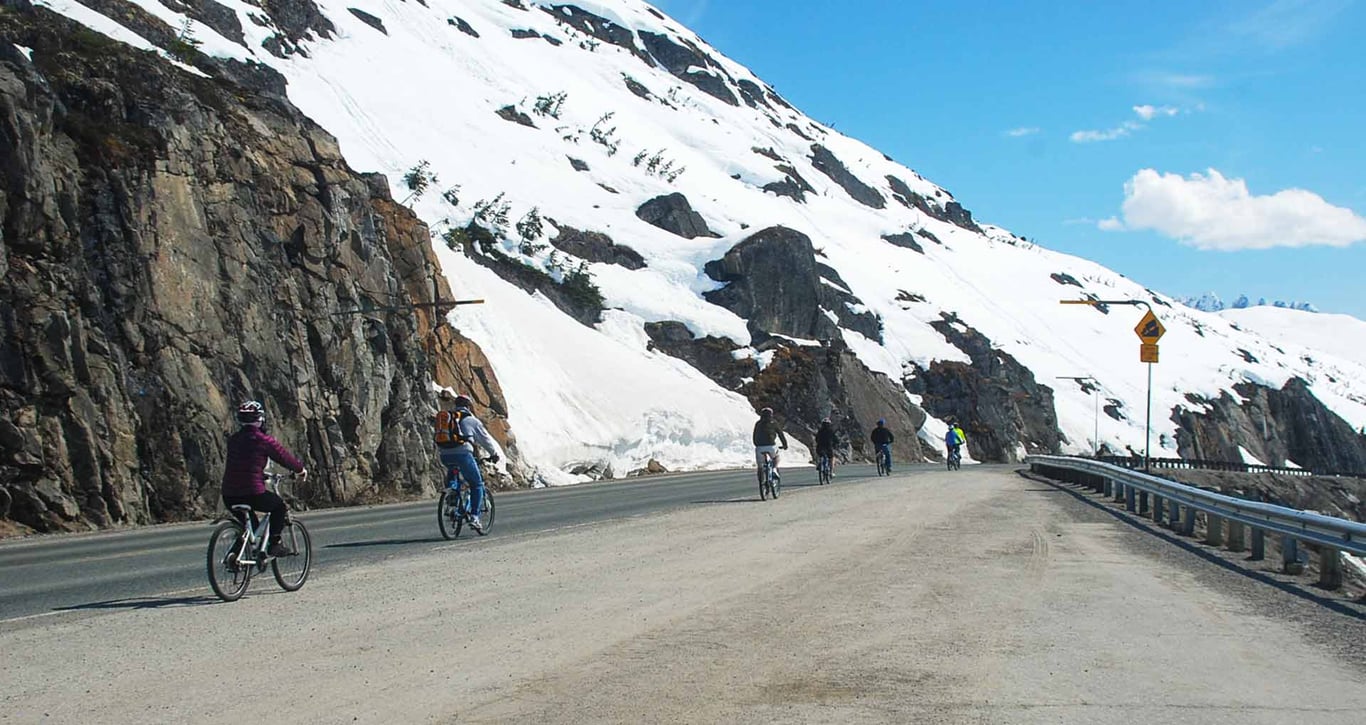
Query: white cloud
x,y
1209,211
1148,112
1113,224
1022,131
1110,134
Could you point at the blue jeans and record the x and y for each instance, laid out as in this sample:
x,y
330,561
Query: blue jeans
x,y
462,459
885,450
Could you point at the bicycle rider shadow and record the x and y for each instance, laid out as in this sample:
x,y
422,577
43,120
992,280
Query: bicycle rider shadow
x,y
385,542
141,603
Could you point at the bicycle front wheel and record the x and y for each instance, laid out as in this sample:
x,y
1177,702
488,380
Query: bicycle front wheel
x,y
448,513
763,489
292,571
227,577
485,512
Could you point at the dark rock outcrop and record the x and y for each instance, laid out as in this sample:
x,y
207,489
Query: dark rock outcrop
x,y
1065,279
904,239
596,247
370,20
951,211
683,59
576,296
752,93
297,21
510,113
462,26
1275,426
598,27
805,384
996,399
173,245
637,88
222,19
673,213
838,299
773,282
713,356
830,165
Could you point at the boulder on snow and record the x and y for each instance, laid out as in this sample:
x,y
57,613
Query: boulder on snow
x,y
673,213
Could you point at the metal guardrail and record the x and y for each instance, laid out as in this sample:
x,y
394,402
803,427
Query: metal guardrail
x,y
1175,505
1238,466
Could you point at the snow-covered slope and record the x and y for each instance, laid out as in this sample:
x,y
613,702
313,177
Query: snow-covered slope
x,y
1342,336
425,88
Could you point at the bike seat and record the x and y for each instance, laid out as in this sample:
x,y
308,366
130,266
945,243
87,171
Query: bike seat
x,y
241,507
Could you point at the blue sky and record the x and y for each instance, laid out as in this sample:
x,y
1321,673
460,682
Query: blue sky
x,y
1192,146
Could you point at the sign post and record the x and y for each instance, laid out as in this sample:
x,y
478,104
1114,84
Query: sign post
x,y
1149,330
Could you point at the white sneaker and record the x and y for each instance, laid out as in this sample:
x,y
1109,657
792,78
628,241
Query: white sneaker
x,y
476,523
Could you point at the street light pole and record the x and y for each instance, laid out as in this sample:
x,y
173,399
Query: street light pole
x,y
1095,397
1148,422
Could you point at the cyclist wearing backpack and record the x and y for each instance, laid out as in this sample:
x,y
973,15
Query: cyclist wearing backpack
x,y
766,436
882,438
954,440
244,481
457,433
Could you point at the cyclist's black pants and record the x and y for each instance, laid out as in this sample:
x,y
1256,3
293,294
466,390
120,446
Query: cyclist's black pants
x,y
267,501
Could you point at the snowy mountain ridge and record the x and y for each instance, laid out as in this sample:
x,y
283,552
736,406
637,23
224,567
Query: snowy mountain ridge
x,y
583,112
1211,302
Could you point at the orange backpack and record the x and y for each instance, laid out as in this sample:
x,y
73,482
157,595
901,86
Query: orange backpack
x,y
447,428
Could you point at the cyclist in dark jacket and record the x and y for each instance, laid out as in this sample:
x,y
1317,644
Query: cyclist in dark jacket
x,y
882,438
766,436
244,481
825,443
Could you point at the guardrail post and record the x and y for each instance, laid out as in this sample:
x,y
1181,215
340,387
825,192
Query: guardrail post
x,y
1188,523
1119,492
1258,545
1236,537
1108,488
1214,529
1173,514
1142,503
1157,509
1290,555
1130,499
1330,568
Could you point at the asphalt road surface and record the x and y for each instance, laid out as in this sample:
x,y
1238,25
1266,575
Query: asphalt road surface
x,y
976,596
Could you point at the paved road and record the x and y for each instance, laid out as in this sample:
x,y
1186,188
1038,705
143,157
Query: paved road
x,y
977,596
159,565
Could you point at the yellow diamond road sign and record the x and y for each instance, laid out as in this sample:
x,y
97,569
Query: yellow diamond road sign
x,y
1149,329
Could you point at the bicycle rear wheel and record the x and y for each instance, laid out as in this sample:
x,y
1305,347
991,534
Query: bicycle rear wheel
x,y
775,484
292,571
448,514
763,487
227,578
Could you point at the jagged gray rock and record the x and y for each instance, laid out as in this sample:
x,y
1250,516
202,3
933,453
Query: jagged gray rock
x,y
173,246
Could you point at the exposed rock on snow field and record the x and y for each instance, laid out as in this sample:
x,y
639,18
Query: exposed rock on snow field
x,y
662,242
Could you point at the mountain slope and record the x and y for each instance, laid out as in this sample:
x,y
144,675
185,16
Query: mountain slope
x,y
585,113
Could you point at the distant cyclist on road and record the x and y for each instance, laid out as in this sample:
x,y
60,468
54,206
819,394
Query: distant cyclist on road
x,y
457,433
244,481
954,440
766,437
825,444
882,438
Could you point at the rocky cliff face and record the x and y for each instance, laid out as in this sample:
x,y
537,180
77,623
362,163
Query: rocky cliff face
x,y
1273,425
174,244
1003,410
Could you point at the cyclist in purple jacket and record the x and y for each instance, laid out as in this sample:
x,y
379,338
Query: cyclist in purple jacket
x,y
244,481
